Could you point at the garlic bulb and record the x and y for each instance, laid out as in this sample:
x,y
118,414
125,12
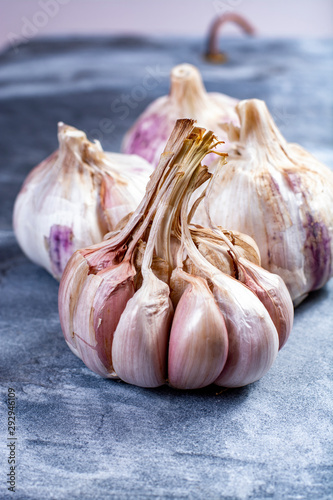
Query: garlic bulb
x,y
187,99
280,195
129,309
74,197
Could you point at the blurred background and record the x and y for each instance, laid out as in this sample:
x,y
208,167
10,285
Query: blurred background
x,y
26,19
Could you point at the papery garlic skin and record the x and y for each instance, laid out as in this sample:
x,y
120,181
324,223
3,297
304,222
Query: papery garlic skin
x,y
218,253
74,197
187,99
198,345
281,196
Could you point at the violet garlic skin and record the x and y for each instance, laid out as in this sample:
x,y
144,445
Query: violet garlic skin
x,y
279,194
187,98
74,197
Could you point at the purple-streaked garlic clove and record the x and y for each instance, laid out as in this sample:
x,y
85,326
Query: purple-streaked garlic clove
x,y
253,339
90,306
198,344
139,350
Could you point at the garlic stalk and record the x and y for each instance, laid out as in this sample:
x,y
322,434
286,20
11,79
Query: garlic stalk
x,y
210,244
74,197
187,98
281,196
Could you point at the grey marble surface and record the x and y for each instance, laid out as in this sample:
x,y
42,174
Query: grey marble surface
x,y
82,437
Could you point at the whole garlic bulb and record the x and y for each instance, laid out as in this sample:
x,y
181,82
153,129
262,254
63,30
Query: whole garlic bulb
x,y
74,197
281,196
115,303
187,98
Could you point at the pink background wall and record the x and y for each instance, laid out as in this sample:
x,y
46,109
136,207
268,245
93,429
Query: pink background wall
x,y
285,18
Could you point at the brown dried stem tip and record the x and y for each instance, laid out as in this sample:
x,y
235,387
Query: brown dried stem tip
x,y
213,53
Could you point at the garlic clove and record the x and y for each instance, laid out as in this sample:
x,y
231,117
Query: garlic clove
x,y
140,341
110,300
273,293
83,327
198,345
253,339
268,287
187,99
89,330
73,278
